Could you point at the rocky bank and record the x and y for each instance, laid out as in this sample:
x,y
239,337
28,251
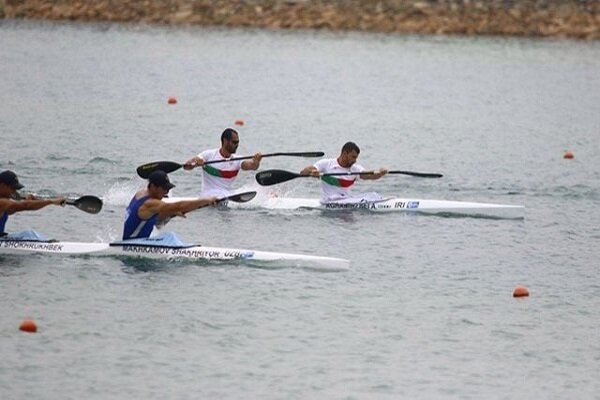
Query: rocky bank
x,y
556,18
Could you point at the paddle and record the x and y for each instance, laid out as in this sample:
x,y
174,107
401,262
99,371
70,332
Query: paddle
x,y
145,170
89,204
274,176
238,198
169,166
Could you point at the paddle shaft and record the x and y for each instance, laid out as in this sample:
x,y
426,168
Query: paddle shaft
x,y
297,154
411,173
275,176
169,166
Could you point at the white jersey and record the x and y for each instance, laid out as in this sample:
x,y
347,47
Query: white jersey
x,y
336,187
218,178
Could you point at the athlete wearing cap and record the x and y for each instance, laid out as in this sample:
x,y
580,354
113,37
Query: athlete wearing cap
x,y
9,184
218,178
146,209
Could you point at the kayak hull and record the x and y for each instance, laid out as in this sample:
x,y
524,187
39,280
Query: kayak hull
x,y
26,246
394,204
191,253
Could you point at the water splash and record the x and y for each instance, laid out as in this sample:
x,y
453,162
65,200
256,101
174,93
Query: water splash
x,y
120,193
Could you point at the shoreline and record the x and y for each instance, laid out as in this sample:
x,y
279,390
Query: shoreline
x,y
576,19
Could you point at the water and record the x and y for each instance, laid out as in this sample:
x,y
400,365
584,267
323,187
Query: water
x,y
426,309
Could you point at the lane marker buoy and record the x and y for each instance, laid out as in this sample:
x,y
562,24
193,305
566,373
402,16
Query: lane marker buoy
x,y
520,291
28,325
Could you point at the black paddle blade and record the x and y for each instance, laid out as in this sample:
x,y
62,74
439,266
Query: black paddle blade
x,y
302,154
89,204
275,176
314,154
167,166
417,174
241,197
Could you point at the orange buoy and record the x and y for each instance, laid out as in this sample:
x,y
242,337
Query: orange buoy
x,y
521,291
239,122
172,100
568,155
28,326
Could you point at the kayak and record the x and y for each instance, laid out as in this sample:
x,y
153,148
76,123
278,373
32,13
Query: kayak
x,y
165,246
392,204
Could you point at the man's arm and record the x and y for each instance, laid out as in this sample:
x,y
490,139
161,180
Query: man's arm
x,y
166,210
12,206
193,162
253,164
310,170
378,174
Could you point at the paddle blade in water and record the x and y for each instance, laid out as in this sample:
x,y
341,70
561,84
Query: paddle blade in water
x,y
89,204
167,166
241,197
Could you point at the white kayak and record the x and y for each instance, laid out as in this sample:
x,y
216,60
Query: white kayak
x,y
393,204
151,248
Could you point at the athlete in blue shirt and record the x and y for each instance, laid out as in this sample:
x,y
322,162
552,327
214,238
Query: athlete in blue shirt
x,y
147,209
9,184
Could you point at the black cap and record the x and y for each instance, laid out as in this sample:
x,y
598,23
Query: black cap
x,y
160,178
10,179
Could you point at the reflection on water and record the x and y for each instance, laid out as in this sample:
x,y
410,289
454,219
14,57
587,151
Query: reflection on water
x,y
133,264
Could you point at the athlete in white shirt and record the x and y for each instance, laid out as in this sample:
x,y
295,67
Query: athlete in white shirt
x,y
218,178
337,188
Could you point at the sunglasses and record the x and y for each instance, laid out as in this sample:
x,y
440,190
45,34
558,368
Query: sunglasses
x,y
235,141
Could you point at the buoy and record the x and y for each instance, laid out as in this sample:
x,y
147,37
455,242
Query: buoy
x,y
568,155
239,122
172,100
521,291
28,326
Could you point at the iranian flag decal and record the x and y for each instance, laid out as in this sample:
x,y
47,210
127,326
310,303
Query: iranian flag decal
x,y
220,173
333,181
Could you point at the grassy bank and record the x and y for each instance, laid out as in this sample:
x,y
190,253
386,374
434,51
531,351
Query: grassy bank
x,y
555,18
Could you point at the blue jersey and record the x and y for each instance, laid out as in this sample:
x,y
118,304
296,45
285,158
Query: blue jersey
x,y
3,220
135,227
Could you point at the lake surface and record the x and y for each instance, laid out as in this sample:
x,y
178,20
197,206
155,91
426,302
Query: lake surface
x,y
426,308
